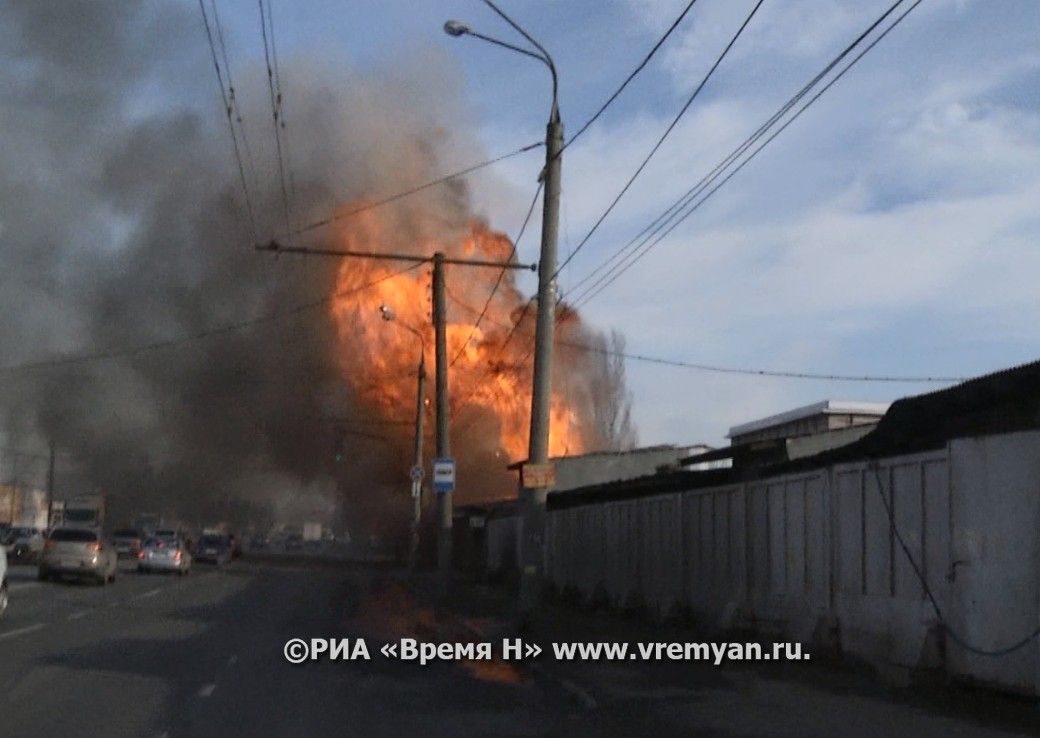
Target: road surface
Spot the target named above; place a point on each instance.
(202, 656)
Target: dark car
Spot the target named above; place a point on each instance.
(128, 543)
(213, 549)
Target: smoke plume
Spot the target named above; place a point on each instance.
(122, 224)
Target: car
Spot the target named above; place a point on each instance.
(3, 582)
(213, 548)
(128, 543)
(24, 544)
(161, 555)
(78, 552)
(293, 542)
(166, 534)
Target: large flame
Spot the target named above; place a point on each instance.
(490, 373)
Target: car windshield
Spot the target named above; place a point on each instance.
(213, 541)
(73, 535)
(165, 533)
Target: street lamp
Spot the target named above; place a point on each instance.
(388, 315)
(533, 500)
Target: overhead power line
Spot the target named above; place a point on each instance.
(661, 140)
(664, 224)
(501, 276)
(219, 330)
(630, 77)
(276, 106)
(228, 107)
(718, 369)
(419, 188)
(232, 96)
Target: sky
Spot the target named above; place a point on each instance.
(891, 230)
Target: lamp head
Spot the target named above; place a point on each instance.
(456, 28)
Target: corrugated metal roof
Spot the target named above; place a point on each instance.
(1005, 401)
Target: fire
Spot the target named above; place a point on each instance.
(489, 377)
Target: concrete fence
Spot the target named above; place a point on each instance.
(819, 554)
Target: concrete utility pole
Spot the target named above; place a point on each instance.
(532, 503)
(532, 500)
(439, 260)
(444, 499)
(50, 482)
(420, 407)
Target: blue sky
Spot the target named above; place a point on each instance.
(891, 230)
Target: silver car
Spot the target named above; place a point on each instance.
(164, 555)
(78, 552)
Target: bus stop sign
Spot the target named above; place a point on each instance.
(443, 475)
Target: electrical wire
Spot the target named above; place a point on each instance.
(275, 110)
(672, 211)
(232, 97)
(950, 632)
(690, 206)
(630, 77)
(661, 140)
(220, 330)
(813, 375)
(231, 125)
(501, 276)
(419, 188)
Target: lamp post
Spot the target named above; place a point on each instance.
(532, 502)
(417, 464)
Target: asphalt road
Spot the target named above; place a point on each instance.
(156, 655)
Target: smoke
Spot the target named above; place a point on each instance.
(122, 223)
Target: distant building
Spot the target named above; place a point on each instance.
(820, 417)
(794, 434)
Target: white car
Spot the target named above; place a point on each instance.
(3, 582)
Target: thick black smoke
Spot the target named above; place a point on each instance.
(122, 223)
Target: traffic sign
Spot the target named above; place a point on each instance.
(443, 475)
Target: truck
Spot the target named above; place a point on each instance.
(23, 506)
(85, 511)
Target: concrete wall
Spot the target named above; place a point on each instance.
(791, 555)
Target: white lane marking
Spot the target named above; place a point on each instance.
(22, 631)
(207, 690)
(149, 593)
(19, 586)
(78, 615)
(586, 699)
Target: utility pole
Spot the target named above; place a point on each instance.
(439, 260)
(50, 483)
(417, 466)
(532, 499)
(532, 503)
(444, 499)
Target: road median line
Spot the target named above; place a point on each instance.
(22, 631)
